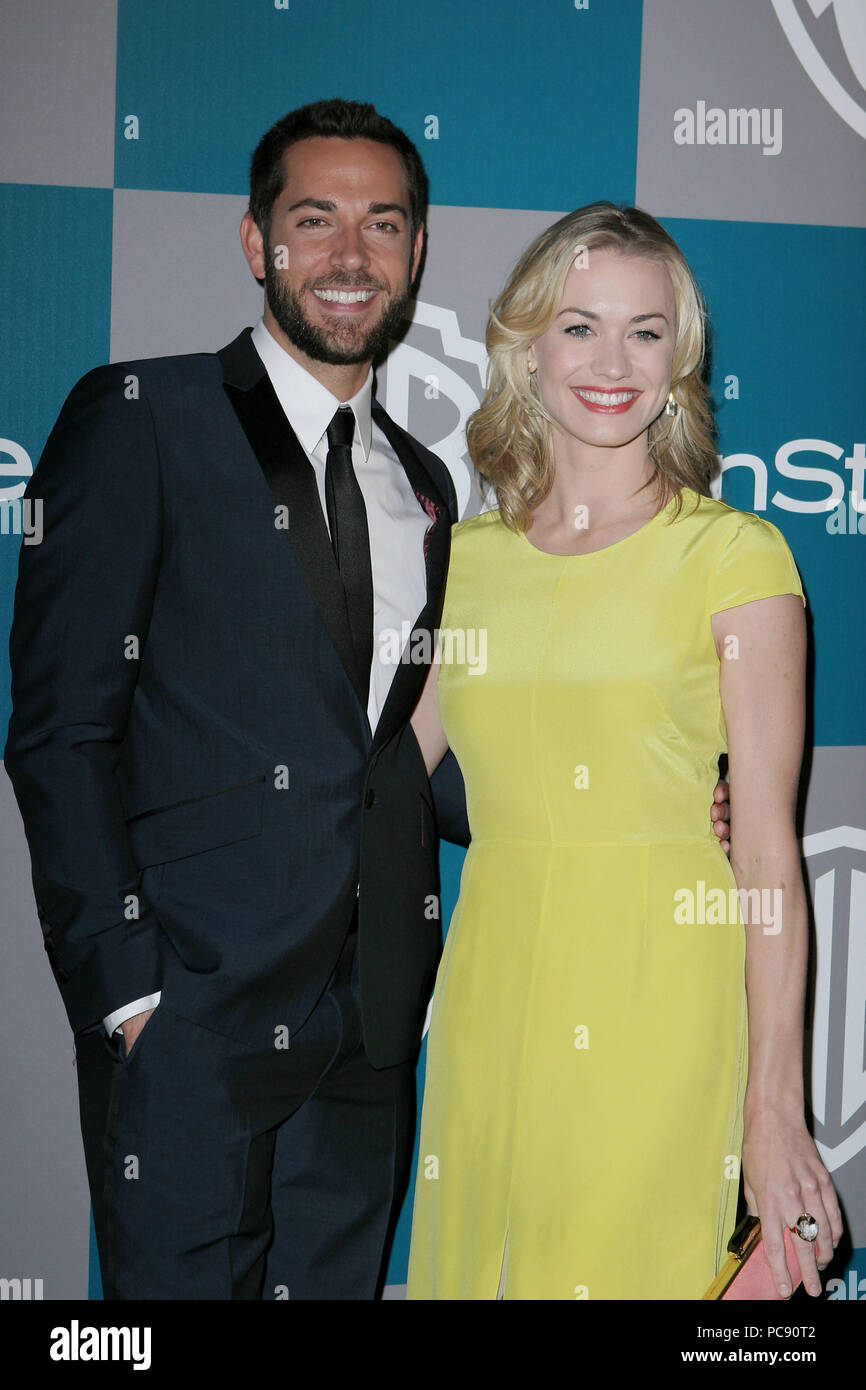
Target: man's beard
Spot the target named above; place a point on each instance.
(340, 345)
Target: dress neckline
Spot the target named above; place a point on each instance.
(604, 549)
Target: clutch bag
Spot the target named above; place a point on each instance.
(746, 1273)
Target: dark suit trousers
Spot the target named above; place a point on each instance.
(221, 1172)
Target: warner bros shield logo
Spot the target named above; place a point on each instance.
(464, 390)
(836, 862)
(835, 87)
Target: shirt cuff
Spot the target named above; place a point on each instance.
(138, 1006)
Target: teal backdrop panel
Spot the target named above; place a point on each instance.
(786, 314)
(535, 103)
(55, 267)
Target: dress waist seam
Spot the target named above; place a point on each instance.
(551, 843)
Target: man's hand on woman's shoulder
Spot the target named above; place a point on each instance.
(720, 815)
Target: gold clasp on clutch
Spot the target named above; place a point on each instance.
(745, 1237)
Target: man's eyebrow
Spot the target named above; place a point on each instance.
(326, 205)
(320, 204)
(638, 318)
(389, 207)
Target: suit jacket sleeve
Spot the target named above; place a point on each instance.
(82, 594)
(449, 800)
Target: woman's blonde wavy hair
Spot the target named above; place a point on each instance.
(509, 436)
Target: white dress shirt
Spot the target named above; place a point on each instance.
(396, 522)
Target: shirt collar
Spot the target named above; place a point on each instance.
(309, 406)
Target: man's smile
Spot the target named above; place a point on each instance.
(345, 296)
(350, 301)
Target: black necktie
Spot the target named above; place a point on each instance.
(347, 520)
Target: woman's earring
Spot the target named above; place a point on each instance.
(671, 406)
(530, 368)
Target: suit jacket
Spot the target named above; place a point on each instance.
(203, 801)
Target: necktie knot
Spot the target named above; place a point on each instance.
(341, 430)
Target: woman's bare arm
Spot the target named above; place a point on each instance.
(762, 649)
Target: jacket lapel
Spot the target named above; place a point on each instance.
(409, 676)
(293, 486)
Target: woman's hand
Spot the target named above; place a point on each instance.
(783, 1177)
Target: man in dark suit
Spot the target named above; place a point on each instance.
(231, 829)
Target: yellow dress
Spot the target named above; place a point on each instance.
(587, 1049)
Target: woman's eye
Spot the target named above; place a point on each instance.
(580, 330)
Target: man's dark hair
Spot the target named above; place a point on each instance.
(347, 120)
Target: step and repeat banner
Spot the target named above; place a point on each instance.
(126, 131)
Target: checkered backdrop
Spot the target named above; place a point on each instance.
(124, 145)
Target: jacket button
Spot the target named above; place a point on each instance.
(369, 798)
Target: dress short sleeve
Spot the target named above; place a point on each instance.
(754, 562)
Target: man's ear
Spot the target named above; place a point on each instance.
(254, 245)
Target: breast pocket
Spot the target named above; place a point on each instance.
(198, 823)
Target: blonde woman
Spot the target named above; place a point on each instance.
(613, 1023)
